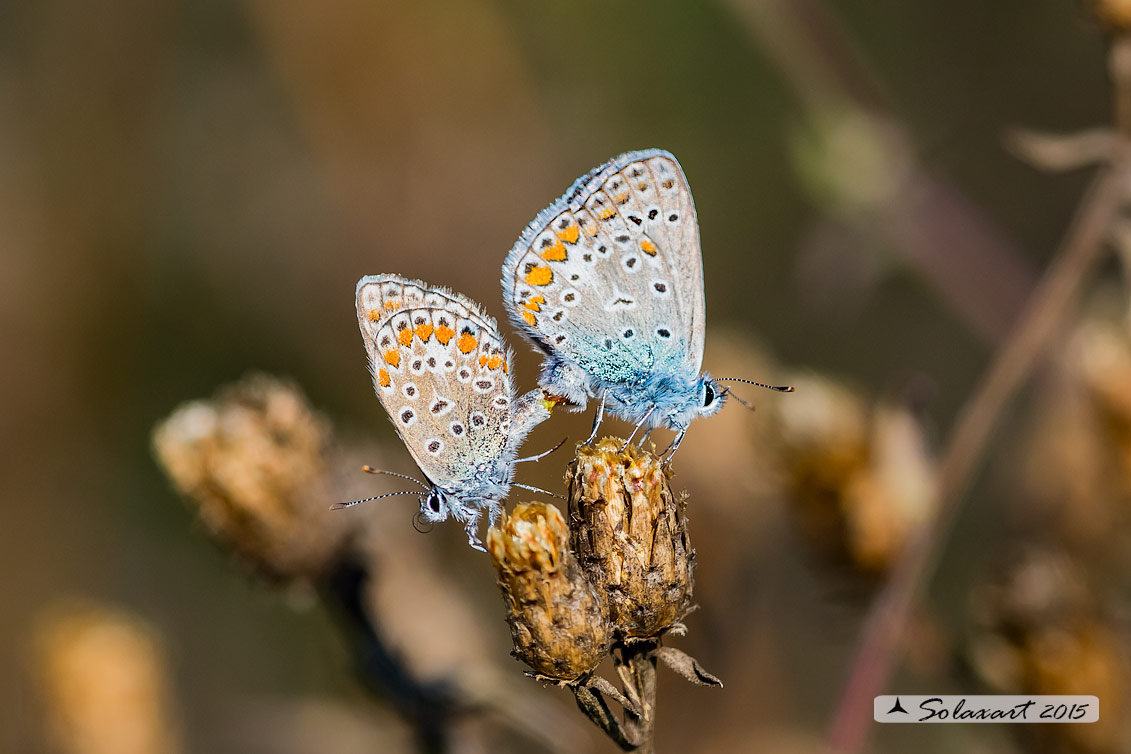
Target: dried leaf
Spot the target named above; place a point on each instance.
(594, 707)
(597, 683)
(687, 666)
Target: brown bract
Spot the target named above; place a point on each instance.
(557, 618)
(630, 534)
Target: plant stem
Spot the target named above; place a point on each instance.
(1047, 311)
(641, 660)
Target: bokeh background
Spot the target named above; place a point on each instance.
(189, 192)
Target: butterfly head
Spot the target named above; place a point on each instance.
(435, 505)
(679, 402)
(710, 397)
(461, 499)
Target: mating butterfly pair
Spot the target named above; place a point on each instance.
(607, 281)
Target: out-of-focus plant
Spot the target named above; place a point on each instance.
(1076, 476)
(1041, 628)
(253, 461)
(859, 477)
(861, 166)
(104, 682)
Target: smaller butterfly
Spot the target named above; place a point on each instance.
(443, 373)
(608, 282)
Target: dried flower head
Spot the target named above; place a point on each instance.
(557, 618)
(1040, 628)
(252, 460)
(1104, 352)
(861, 478)
(104, 683)
(630, 534)
(1077, 470)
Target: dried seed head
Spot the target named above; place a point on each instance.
(1077, 472)
(557, 618)
(1040, 627)
(252, 460)
(104, 683)
(860, 478)
(630, 535)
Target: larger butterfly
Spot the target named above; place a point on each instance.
(608, 282)
(443, 373)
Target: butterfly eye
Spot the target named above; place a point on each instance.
(708, 396)
(434, 502)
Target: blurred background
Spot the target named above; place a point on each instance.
(190, 191)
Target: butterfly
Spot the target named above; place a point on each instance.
(608, 282)
(443, 373)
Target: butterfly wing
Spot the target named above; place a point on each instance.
(610, 275)
(442, 371)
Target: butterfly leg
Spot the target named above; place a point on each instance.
(671, 449)
(636, 429)
(494, 512)
(472, 529)
(597, 419)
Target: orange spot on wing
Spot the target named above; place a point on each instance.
(493, 362)
(383, 377)
(621, 198)
(392, 304)
(444, 334)
(540, 276)
(466, 343)
(483, 360)
(570, 234)
(607, 213)
(424, 332)
(555, 253)
(530, 318)
(405, 337)
(648, 247)
(393, 357)
(535, 303)
(506, 369)
(374, 315)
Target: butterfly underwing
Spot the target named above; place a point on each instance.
(443, 373)
(608, 282)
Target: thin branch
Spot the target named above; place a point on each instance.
(1047, 311)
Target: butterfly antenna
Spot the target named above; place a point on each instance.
(543, 455)
(370, 470)
(778, 388)
(539, 489)
(339, 506)
(744, 404)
